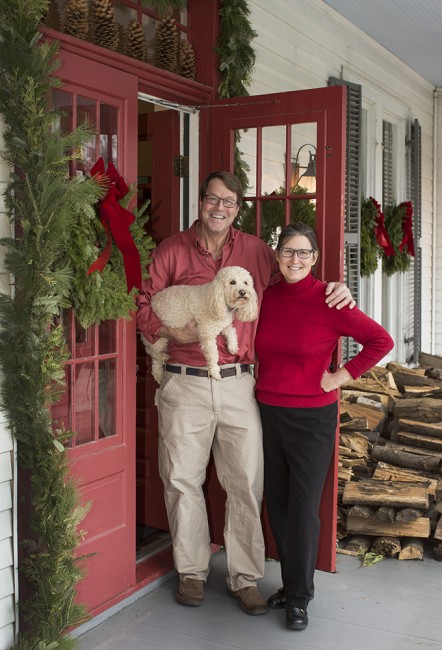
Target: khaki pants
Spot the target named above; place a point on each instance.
(198, 415)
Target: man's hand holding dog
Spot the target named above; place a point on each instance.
(183, 335)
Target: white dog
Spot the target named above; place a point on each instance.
(213, 306)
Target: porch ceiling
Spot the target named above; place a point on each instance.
(410, 30)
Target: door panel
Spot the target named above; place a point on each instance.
(100, 399)
(270, 160)
(158, 136)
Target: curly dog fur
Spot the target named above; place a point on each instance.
(213, 306)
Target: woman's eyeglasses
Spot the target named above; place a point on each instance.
(214, 200)
(302, 253)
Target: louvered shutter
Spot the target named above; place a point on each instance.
(352, 200)
(415, 189)
(387, 164)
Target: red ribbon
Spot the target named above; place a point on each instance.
(407, 227)
(382, 237)
(116, 222)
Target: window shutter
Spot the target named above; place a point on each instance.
(352, 200)
(415, 189)
(387, 164)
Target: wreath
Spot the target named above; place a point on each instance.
(399, 225)
(370, 250)
(104, 283)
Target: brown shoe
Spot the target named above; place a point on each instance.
(250, 600)
(190, 592)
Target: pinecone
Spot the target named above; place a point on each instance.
(187, 60)
(135, 41)
(76, 18)
(104, 26)
(166, 44)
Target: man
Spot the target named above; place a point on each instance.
(199, 415)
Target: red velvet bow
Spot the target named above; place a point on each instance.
(407, 225)
(116, 221)
(382, 237)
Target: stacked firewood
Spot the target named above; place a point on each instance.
(390, 462)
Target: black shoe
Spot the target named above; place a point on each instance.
(296, 618)
(277, 601)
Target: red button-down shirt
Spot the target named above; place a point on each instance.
(183, 259)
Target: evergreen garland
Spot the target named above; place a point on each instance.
(369, 248)
(42, 203)
(236, 61)
(45, 206)
(163, 7)
(400, 260)
(234, 49)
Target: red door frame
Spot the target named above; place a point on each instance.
(328, 109)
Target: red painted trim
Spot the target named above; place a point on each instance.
(152, 80)
(205, 12)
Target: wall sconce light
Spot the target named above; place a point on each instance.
(306, 179)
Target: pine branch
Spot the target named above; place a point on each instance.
(163, 7)
(236, 54)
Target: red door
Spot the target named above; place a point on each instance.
(282, 138)
(99, 404)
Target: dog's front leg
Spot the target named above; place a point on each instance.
(210, 349)
(159, 356)
(229, 333)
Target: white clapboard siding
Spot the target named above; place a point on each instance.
(300, 45)
(437, 315)
(7, 464)
(7, 595)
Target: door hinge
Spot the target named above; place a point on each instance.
(181, 166)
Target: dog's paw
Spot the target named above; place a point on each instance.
(215, 373)
(232, 347)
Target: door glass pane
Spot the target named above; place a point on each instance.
(84, 391)
(60, 410)
(107, 337)
(63, 101)
(108, 133)
(303, 156)
(303, 210)
(107, 398)
(273, 219)
(246, 143)
(246, 219)
(273, 159)
(87, 111)
(84, 341)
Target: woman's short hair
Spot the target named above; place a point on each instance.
(298, 228)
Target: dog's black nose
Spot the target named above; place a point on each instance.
(242, 293)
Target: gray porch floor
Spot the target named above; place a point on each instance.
(392, 605)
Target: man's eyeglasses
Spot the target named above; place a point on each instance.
(302, 253)
(214, 200)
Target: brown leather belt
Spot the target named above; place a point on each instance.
(203, 372)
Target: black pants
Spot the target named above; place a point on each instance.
(298, 447)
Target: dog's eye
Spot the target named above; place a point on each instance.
(232, 281)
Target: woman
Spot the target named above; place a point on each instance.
(297, 396)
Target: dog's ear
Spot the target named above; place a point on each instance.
(250, 310)
(216, 300)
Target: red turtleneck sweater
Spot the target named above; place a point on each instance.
(297, 334)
